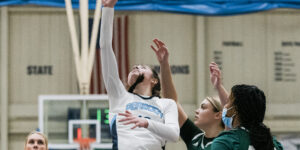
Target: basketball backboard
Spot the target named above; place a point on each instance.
(66, 119)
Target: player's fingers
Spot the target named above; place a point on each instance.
(161, 43)
(129, 122)
(156, 43)
(128, 112)
(153, 48)
(134, 127)
(125, 119)
(124, 114)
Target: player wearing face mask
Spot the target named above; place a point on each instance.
(243, 114)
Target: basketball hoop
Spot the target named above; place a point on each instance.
(85, 143)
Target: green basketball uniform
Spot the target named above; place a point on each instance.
(237, 139)
(193, 137)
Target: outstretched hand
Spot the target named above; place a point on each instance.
(131, 119)
(160, 50)
(215, 75)
(109, 3)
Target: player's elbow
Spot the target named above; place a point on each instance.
(175, 139)
(174, 136)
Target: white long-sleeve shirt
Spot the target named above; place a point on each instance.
(161, 114)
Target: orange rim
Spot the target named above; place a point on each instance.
(85, 142)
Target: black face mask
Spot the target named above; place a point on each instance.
(138, 80)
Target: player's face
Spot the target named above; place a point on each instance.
(205, 115)
(35, 142)
(139, 70)
(229, 105)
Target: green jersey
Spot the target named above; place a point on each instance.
(193, 137)
(237, 139)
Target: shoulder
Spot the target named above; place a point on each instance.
(198, 137)
(196, 140)
(236, 134)
(167, 101)
(190, 128)
(228, 135)
(168, 104)
(229, 139)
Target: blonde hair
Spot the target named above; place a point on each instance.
(217, 106)
(215, 102)
(39, 133)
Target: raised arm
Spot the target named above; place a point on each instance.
(168, 87)
(113, 84)
(215, 78)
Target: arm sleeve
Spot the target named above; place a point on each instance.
(188, 131)
(170, 129)
(113, 84)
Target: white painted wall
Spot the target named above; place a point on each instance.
(253, 63)
(241, 64)
(284, 95)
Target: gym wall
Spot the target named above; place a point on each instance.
(261, 49)
(40, 61)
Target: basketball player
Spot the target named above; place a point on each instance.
(244, 115)
(36, 141)
(139, 118)
(207, 125)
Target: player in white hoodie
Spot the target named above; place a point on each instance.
(139, 118)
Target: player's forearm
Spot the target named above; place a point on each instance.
(108, 60)
(109, 65)
(223, 94)
(168, 87)
(170, 132)
(182, 116)
(106, 29)
(169, 90)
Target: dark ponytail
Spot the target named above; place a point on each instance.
(250, 104)
(155, 90)
(261, 138)
(138, 80)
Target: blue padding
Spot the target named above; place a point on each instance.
(197, 7)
